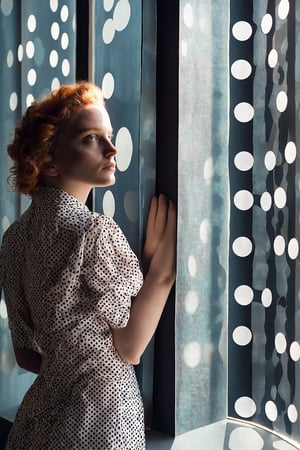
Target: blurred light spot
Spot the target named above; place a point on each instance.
(192, 354)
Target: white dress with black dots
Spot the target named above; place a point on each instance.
(76, 274)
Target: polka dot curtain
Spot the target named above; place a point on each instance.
(124, 62)
(37, 54)
(264, 328)
(121, 43)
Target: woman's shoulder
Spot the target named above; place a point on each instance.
(102, 223)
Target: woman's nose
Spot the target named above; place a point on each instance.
(110, 149)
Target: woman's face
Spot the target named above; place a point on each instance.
(85, 151)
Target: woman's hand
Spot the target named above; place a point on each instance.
(160, 255)
(156, 224)
(163, 261)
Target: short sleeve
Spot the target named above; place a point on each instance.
(111, 272)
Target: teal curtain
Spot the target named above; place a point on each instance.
(37, 54)
(264, 309)
(124, 66)
(201, 289)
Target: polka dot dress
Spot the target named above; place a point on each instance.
(75, 272)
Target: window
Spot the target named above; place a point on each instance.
(204, 100)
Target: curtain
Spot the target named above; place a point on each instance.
(37, 54)
(264, 322)
(201, 289)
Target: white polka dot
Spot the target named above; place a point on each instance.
(283, 9)
(243, 295)
(55, 84)
(243, 161)
(30, 49)
(245, 438)
(242, 31)
(31, 77)
(243, 112)
(3, 310)
(270, 160)
(31, 23)
(53, 5)
(131, 206)
(5, 223)
(293, 248)
(64, 42)
(6, 7)
(205, 231)
(241, 69)
(290, 152)
(295, 351)
(208, 170)
(281, 101)
(124, 146)
(192, 354)
(266, 297)
(280, 343)
(53, 58)
(108, 85)
(121, 15)
(55, 30)
(273, 58)
(13, 101)
(9, 59)
(108, 4)
(266, 23)
(192, 266)
(20, 52)
(280, 197)
(184, 48)
(279, 245)
(191, 302)
(65, 67)
(242, 246)
(109, 205)
(29, 100)
(108, 31)
(188, 15)
(64, 13)
(243, 200)
(271, 411)
(266, 201)
(292, 413)
(242, 335)
(245, 407)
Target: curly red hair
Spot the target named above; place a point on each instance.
(33, 145)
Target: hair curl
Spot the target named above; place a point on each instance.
(33, 145)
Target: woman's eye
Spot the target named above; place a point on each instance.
(90, 139)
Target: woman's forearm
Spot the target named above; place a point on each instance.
(146, 311)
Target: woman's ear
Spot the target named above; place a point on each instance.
(50, 169)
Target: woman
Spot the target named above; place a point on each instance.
(69, 275)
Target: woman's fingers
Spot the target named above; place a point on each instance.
(164, 259)
(152, 213)
(161, 226)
